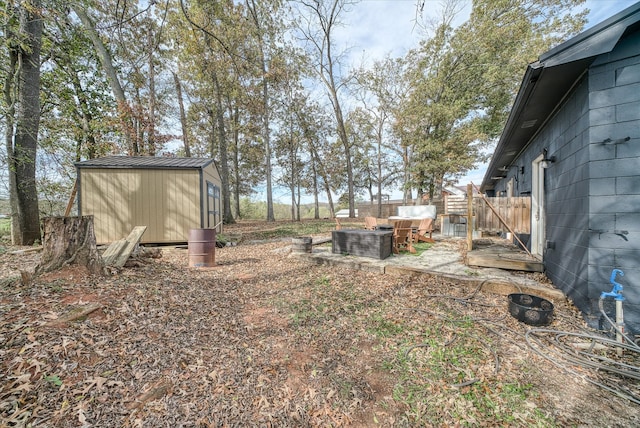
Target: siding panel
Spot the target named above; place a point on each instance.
(166, 199)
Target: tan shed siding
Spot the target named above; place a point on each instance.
(166, 201)
(171, 197)
(152, 200)
(107, 196)
(120, 197)
(183, 204)
(170, 204)
(147, 205)
(209, 174)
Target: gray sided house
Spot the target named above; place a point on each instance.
(168, 195)
(572, 142)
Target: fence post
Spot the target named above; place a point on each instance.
(469, 217)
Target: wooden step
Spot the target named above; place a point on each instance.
(504, 261)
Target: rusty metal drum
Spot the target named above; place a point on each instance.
(202, 247)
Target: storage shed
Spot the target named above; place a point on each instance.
(572, 144)
(168, 195)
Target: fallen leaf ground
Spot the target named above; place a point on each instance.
(268, 339)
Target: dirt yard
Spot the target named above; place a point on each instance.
(267, 339)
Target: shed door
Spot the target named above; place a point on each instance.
(537, 208)
(213, 205)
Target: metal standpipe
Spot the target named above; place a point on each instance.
(620, 324)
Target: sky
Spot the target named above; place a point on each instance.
(376, 28)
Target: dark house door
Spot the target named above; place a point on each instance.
(537, 208)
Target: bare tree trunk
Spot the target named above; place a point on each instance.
(319, 168)
(103, 53)
(298, 196)
(69, 241)
(110, 71)
(342, 133)
(86, 122)
(236, 160)
(25, 219)
(10, 101)
(316, 205)
(328, 14)
(379, 165)
(267, 146)
(151, 147)
(292, 189)
(183, 117)
(222, 150)
(327, 189)
(315, 166)
(407, 176)
(266, 133)
(295, 178)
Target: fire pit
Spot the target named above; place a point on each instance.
(363, 243)
(532, 310)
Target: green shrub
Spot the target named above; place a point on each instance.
(5, 227)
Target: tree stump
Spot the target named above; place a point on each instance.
(69, 241)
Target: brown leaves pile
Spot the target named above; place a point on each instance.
(262, 339)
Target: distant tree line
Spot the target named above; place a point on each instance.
(264, 88)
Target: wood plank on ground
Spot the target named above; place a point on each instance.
(496, 261)
(318, 241)
(119, 252)
(113, 251)
(76, 314)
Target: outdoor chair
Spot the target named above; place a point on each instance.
(338, 225)
(370, 223)
(402, 237)
(424, 231)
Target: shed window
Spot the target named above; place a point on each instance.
(214, 205)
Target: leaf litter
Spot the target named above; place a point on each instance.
(266, 339)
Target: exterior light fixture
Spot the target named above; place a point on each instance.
(546, 159)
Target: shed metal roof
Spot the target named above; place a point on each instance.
(145, 162)
(546, 83)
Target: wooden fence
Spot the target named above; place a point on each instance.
(516, 211)
(391, 208)
(456, 204)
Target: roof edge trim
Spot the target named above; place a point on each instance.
(602, 37)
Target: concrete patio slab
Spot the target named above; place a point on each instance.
(443, 259)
